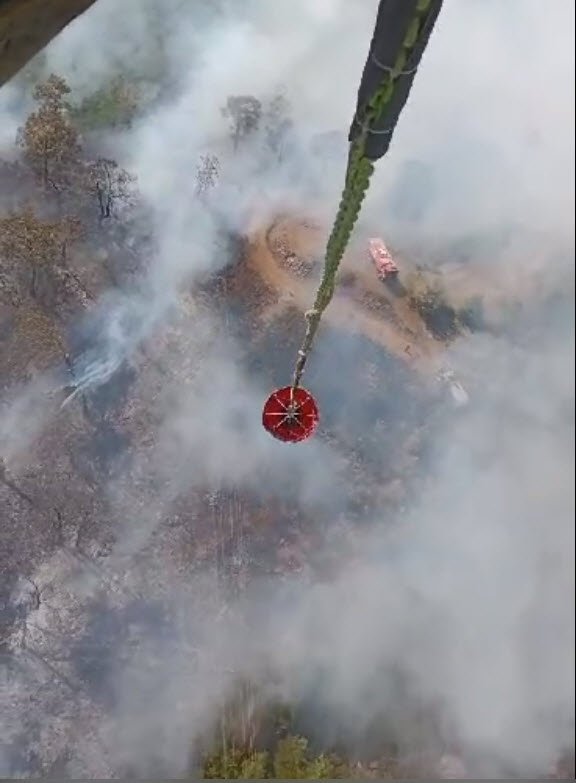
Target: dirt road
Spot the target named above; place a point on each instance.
(281, 255)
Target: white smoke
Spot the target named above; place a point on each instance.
(471, 597)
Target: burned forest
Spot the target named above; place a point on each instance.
(183, 596)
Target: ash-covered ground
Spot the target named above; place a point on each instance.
(405, 578)
(106, 521)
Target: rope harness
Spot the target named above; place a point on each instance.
(358, 173)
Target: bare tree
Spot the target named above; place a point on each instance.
(110, 186)
(29, 243)
(49, 141)
(245, 113)
(207, 173)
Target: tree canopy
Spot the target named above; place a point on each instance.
(49, 141)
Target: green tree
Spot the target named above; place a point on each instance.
(236, 764)
(112, 106)
(292, 760)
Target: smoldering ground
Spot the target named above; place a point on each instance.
(470, 597)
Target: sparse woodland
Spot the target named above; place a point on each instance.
(65, 213)
(70, 198)
(66, 199)
(72, 225)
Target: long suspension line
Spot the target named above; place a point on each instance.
(358, 173)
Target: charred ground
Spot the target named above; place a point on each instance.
(102, 527)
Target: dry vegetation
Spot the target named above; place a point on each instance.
(65, 211)
(50, 243)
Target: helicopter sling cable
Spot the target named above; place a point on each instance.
(401, 34)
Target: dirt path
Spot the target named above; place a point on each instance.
(366, 306)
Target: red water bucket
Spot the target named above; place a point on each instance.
(290, 415)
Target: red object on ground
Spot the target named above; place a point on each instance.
(290, 416)
(383, 261)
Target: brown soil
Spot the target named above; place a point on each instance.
(364, 305)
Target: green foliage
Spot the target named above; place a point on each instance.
(112, 106)
(255, 766)
(236, 764)
(52, 151)
(292, 760)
